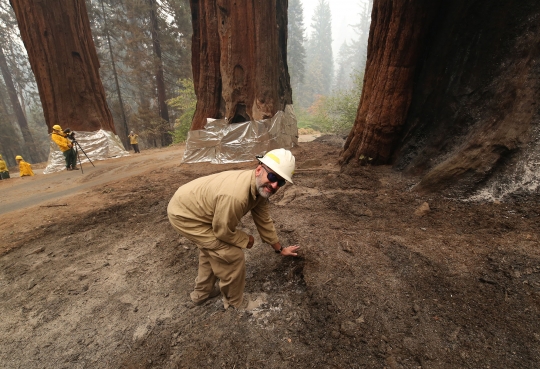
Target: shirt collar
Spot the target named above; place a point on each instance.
(253, 186)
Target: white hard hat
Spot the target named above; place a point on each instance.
(280, 161)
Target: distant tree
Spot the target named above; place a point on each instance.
(359, 45)
(19, 84)
(16, 105)
(107, 32)
(320, 60)
(185, 103)
(296, 51)
(345, 63)
(321, 43)
(10, 143)
(62, 54)
(352, 54)
(137, 31)
(166, 138)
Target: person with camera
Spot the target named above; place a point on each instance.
(65, 145)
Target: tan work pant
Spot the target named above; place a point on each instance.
(217, 260)
(223, 261)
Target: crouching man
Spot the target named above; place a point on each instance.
(207, 211)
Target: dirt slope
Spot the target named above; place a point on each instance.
(104, 282)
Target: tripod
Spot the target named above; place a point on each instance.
(77, 147)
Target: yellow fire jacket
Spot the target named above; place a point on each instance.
(133, 139)
(62, 141)
(3, 166)
(210, 208)
(25, 168)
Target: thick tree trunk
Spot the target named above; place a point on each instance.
(450, 95)
(474, 120)
(239, 59)
(57, 37)
(166, 138)
(398, 29)
(35, 156)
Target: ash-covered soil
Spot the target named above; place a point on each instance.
(104, 281)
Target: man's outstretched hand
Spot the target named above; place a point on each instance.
(290, 251)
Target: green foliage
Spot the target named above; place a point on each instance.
(336, 113)
(184, 104)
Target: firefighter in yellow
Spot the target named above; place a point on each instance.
(24, 167)
(65, 145)
(134, 142)
(4, 171)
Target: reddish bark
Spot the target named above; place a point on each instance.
(398, 29)
(239, 59)
(57, 37)
(451, 93)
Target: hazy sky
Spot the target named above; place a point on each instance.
(344, 13)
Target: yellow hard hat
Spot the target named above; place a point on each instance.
(18, 157)
(56, 127)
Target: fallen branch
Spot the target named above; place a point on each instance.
(52, 206)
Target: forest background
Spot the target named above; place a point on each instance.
(135, 38)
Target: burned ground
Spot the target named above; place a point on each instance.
(104, 282)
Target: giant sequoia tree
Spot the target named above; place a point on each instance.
(450, 93)
(239, 52)
(57, 37)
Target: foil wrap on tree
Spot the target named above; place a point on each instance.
(98, 145)
(221, 142)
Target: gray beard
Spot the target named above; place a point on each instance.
(260, 189)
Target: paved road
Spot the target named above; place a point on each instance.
(18, 193)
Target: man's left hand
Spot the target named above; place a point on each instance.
(250, 242)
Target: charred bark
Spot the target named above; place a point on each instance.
(474, 121)
(35, 156)
(239, 59)
(62, 54)
(166, 138)
(398, 30)
(464, 117)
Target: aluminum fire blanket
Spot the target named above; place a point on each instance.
(98, 145)
(221, 142)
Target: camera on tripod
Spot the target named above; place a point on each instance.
(70, 134)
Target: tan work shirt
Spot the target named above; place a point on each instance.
(210, 208)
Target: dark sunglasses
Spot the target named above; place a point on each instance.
(272, 177)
